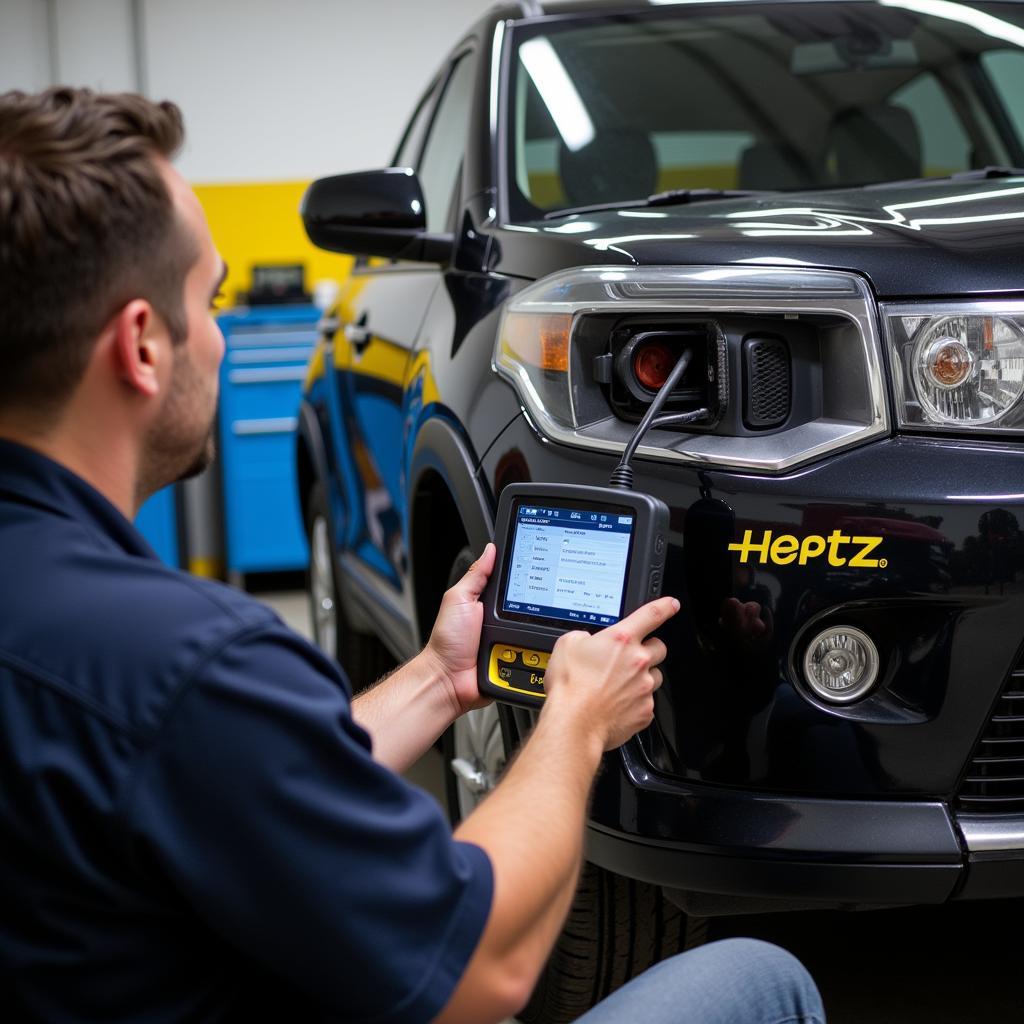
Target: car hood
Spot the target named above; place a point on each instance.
(948, 238)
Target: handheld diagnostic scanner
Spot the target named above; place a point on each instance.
(570, 557)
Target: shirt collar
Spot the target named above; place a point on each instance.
(29, 477)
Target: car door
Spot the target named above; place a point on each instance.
(381, 309)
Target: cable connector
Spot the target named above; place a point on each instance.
(622, 475)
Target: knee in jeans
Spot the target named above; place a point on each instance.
(777, 967)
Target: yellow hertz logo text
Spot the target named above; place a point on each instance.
(784, 549)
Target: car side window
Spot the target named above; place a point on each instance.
(442, 156)
(409, 148)
(944, 145)
(1006, 69)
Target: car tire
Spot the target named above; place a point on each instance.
(363, 657)
(616, 928)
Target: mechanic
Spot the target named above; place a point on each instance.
(196, 823)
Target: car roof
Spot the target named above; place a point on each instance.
(535, 9)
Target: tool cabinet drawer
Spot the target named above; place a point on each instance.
(266, 352)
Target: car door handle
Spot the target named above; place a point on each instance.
(358, 334)
(328, 327)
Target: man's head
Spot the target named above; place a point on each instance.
(103, 244)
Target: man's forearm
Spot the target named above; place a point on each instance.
(406, 712)
(532, 828)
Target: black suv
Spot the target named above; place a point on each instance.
(820, 202)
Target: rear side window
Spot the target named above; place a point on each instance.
(442, 157)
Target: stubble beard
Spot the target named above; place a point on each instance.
(171, 455)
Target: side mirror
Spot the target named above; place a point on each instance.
(372, 213)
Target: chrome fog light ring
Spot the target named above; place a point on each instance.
(841, 664)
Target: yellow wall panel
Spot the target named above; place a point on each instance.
(260, 223)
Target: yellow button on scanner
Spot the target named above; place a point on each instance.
(531, 658)
(507, 654)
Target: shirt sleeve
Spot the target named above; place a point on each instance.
(260, 803)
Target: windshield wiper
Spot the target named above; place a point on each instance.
(670, 198)
(695, 195)
(975, 174)
(992, 171)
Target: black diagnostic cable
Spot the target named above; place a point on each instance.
(622, 475)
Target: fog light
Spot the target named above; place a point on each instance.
(841, 664)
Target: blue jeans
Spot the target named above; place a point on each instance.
(734, 981)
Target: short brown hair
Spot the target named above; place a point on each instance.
(86, 225)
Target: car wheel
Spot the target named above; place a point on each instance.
(363, 657)
(616, 928)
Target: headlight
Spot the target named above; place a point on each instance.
(564, 345)
(958, 367)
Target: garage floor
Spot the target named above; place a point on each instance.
(955, 964)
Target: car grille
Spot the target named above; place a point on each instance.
(994, 783)
(768, 382)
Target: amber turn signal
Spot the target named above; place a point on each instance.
(540, 339)
(948, 363)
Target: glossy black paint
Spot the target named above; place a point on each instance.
(372, 213)
(745, 784)
(928, 240)
(948, 612)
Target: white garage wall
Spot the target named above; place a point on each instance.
(271, 90)
(94, 44)
(297, 89)
(25, 59)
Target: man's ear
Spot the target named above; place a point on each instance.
(140, 347)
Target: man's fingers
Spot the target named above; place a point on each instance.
(656, 649)
(472, 584)
(647, 618)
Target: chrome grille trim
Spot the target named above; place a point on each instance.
(990, 800)
(711, 291)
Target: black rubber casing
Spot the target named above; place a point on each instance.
(643, 582)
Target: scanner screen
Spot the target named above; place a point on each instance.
(568, 563)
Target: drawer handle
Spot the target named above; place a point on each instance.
(270, 339)
(272, 355)
(281, 425)
(266, 376)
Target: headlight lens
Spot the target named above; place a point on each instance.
(533, 349)
(559, 338)
(958, 368)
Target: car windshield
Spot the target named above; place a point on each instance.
(792, 96)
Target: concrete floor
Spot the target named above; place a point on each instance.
(954, 964)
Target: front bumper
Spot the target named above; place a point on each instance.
(703, 839)
(746, 784)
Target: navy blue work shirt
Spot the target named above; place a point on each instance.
(192, 827)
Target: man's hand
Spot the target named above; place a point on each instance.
(609, 678)
(455, 639)
(532, 825)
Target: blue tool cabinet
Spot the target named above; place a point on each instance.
(267, 349)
